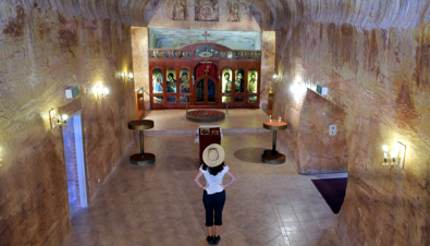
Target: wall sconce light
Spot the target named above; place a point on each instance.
(394, 156)
(130, 76)
(56, 119)
(1, 156)
(127, 76)
(99, 90)
(276, 77)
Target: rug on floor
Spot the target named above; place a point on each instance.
(333, 191)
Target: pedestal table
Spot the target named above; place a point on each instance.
(272, 156)
(141, 158)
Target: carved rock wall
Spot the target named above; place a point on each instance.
(268, 57)
(317, 151)
(42, 52)
(380, 78)
(268, 14)
(141, 60)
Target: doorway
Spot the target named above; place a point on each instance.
(73, 143)
(206, 85)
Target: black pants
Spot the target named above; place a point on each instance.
(214, 204)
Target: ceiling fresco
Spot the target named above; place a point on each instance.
(178, 38)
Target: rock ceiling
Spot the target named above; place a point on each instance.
(271, 13)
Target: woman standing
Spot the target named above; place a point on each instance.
(213, 170)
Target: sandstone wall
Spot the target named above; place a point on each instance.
(317, 150)
(381, 80)
(42, 52)
(140, 44)
(268, 57)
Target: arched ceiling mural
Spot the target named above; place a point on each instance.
(270, 13)
(178, 38)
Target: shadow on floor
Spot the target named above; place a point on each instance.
(250, 155)
(183, 163)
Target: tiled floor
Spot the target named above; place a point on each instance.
(161, 205)
(235, 118)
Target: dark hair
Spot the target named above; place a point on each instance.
(213, 170)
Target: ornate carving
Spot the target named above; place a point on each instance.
(206, 10)
(179, 10)
(204, 51)
(233, 11)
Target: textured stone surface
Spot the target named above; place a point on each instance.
(141, 60)
(317, 151)
(378, 78)
(377, 75)
(268, 57)
(268, 14)
(42, 52)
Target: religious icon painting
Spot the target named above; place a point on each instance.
(233, 11)
(239, 80)
(157, 81)
(171, 81)
(252, 81)
(206, 10)
(184, 81)
(179, 10)
(227, 80)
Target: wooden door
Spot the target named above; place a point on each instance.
(206, 91)
(206, 86)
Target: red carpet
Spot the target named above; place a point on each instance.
(333, 191)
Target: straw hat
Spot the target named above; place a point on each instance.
(213, 155)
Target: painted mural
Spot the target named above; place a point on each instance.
(164, 38)
(233, 11)
(179, 10)
(206, 10)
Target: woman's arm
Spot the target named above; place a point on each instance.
(232, 179)
(197, 180)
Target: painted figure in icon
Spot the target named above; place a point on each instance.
(239, 80)
(206, 10)
(179, 10)
(185, 84)
(233, 11)
(171, 83)
(252, 82)
(157, 80)
(227, 82)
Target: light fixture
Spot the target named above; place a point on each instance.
(99, 90)
(276, 77)
(130, 76)
(394, 155)
(1, 155)
(126, 76)
(385, 148)
(57, 119)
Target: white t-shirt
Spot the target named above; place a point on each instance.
(213, 183)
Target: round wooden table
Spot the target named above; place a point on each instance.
(272, 156)
(141, 158)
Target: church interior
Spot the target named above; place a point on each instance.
(320, 106)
